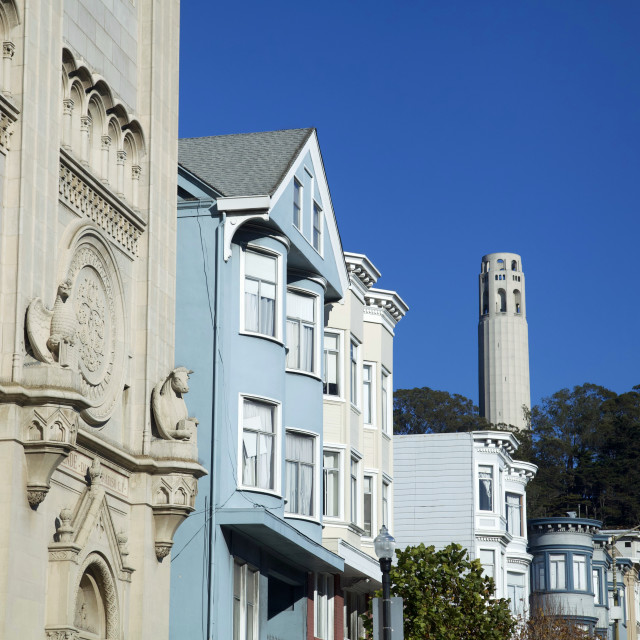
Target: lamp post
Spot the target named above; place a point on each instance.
(384, 545)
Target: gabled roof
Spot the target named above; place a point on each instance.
(243, 163)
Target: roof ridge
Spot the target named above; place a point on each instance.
(247, 133)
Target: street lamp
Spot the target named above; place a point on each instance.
(384, 545)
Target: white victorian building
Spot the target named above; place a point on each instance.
(467, 488)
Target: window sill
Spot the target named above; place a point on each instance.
(302, 372)
(298, 516)
(355, 409)
(329, 398)
(370, 427)
(266, 492)
(263, 336)
(386, 435)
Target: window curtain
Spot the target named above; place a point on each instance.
(306, 348)
(299, 454)
(514, 517)
(251, 305)
(293, 344)
(267, 308)
(258, 458)
(485, 475)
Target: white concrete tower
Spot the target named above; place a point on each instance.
(503, 343)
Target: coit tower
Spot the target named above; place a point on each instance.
(503, 343)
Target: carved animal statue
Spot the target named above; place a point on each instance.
(48, 330)
(169, 408)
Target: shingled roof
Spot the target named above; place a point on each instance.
(243, 164)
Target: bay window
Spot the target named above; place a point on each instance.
(301, 331)
(260, 293)
(579, 573)
(258, 451)
(300, 469)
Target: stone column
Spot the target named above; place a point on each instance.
(67, 122)
(85, 127)
(120, 157)
(106, 145)
(8, 49)
(136, 170)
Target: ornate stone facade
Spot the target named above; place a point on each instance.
(92, 489)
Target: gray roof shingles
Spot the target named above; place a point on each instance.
(243, 164)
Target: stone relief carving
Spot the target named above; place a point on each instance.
(169, 408)
(52, 333)
(81, 334)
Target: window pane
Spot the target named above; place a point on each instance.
(300, 306)
(366, 394)
(299, 473)
(260, 266)
(385, 504)
(293, 344)
(331, 360)
(251, 294)
(487, 559)
(385, 402)
(557, 571)
(485, 487)
(580, 573)
(368, 505)
(331, 483)
(258, 416)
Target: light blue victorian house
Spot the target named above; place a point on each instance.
(259, 256)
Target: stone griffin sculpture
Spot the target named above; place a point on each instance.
(51, 333)
(169, 408)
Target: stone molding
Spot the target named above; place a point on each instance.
(8, 116)
(93, 201)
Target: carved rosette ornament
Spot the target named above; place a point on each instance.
(83, 332)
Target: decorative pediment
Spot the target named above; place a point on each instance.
(89, 525)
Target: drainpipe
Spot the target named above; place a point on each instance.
(214, 393)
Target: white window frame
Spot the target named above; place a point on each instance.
(277, 337)
(494, 485)
(340, 364)
(277, 441)
(508, 510)
(386, 517)
(371, 424)
(354, 505)
(355, 367)
(369, 473)
(317, 326)
(316, 206)
(327, 580)
(495, 571)
(298, 183)
(554, 574)
(578, 559)
(386, 420)
(517, 604)
(241, 633)
(316, 475)
(596, 586)
(328, 448)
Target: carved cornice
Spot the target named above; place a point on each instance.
(360, 267)
(388, 300)
(91, 200)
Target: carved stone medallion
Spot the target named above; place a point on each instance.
(98, 311)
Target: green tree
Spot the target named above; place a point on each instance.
(425, 410)
(447, 597)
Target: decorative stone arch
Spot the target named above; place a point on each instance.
(95, 603)
(9, 20)
(97, 130)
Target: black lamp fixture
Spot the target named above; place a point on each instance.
(385, 546)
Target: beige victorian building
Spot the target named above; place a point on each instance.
(358, 429)
(92, 485)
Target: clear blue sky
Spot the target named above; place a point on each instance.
(450, 129)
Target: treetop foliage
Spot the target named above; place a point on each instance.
(585, 442)
(447, 597)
